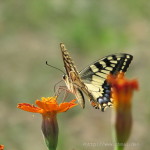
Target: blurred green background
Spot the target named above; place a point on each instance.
(30, 33)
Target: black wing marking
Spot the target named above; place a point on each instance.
(109, 64)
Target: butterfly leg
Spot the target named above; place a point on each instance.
(61, 89)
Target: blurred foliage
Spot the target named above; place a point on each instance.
(30, 33)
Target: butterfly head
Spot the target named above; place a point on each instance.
(64, 77)
(68, 82)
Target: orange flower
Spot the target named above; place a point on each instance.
(47, 105)
(122, 92)
(49, 108)
(1, 147)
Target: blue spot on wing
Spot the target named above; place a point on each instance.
(105, 98)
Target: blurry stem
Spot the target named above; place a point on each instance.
(119, 147)
(122, 124)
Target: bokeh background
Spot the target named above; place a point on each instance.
(30, 33)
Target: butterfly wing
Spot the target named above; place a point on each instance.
(72, 78)
(68, 62)
(94, 76)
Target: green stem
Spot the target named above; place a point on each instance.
(118, 147)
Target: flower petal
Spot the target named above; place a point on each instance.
(40, 104)
(67, 105)
(49, 99)
(30, 108)
(47, 106)
(1, 147)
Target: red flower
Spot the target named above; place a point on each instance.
(122, 92)
(1, 147)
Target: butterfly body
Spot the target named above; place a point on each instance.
(91, 81)
(76, 86)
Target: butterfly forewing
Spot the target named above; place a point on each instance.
(68, 62)
(109, 64)
(72, 78)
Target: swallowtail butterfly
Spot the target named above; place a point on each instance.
(91, 81)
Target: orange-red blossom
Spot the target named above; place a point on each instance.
(1, 147)
(122, 92)
(47, 105)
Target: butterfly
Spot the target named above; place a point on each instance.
(91, 81)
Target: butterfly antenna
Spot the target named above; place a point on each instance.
(54, 67)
